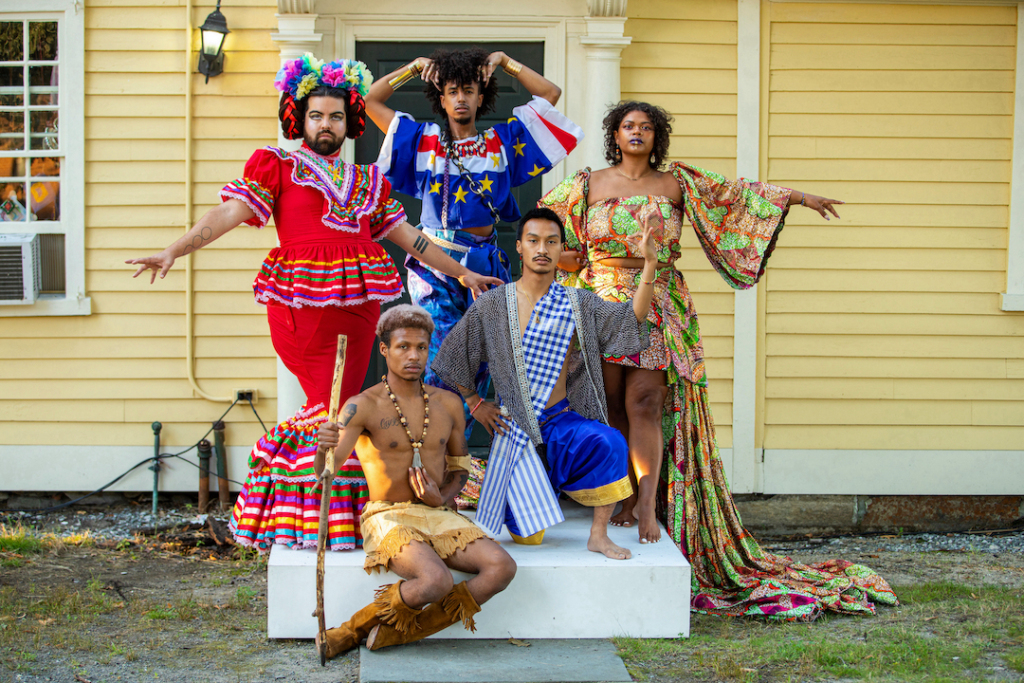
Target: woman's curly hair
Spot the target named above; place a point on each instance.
(461, 67)
(293, 112)
(661, 119)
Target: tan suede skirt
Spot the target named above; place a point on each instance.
(388, 527)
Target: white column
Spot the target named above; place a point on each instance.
(295, 37)
(1013, 298)
(603, 44)
(745, 457)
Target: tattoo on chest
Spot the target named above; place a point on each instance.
(348, 414)
(389, 422)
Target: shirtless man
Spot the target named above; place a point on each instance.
(543, 344)
(410, 436)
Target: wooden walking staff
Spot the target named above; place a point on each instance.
(326, 484)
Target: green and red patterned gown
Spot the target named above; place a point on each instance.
(737, 224)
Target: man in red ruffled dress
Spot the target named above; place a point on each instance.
(329, 275)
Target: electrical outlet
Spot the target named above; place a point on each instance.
(244, 395)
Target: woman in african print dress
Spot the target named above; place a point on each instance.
(658, 399)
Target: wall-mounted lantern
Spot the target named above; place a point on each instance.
(213, 30)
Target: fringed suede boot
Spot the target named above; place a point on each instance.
(387, 607)
(458, 605)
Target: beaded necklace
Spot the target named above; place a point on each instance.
(416, 445)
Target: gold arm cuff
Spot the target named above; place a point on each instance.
(402, 78)
(512, 67)
(457, 462)
(603, 495)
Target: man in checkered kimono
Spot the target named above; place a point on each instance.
(543, 343)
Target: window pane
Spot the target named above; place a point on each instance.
(44, 131)
(45, 201)
(12, 41)
(43, 88)
(12, 167)
(52, 261)
(12, 130)
(42, 75)
(45, 166)
(42, 40)
(12, 77)
(12, 202)
(11, 99)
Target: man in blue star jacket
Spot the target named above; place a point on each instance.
(463, 176)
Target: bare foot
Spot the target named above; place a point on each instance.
(650, 532)
(627, 517)
(604, 545)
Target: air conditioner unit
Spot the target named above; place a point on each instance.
(21, 275)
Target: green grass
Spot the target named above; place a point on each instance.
(17, 540)
(942, 631)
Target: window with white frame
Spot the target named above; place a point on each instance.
(41, 157)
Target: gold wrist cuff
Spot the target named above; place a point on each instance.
(512, 67)
(457, 462)
(402, 79)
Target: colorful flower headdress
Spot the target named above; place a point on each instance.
(301, 76)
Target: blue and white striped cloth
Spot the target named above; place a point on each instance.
(515, 474)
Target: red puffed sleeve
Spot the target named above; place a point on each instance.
(259, 185)
(388, 213)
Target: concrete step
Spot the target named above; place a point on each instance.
(561, 590)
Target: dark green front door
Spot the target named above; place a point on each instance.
(383, 58)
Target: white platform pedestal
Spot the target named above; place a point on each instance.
(561, 590)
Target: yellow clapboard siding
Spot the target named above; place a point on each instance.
(897, 218)
(131, 237)
(867, 412)
(47, 410)
(893, 437)
(964, 389)
(893, 13)
(907, 346)
(123, 172)
(158, 39)
(911, 193)
(153, 217)
(236, 84)
(831, 388)
(132, 434)
(251, 323)
(147, 61)
(136, 302)
(185, 410)
(884, 302)
(653, 80)
(134, 150)
(879, 366)
(82, 349)
(227, 303)
(892, 259)
(816, 233)
(127, 389)
(248, 85)
(701, 10)
(930, 170)
(866, 80)
(139, 18)
(113, 325)
(884, 281)
(719, 369)
(897, 57)
(889, 148)
(227, 257)
(697, 56)
(894, 125)
(129, 368)
(136, 129)
(220, 150)
(1001, 413)
(140, 106)
(895, 324)
(666, 30)
(893, 34)
(210, 106)
(814, 102)
(259, 130)
(139, 194)
(1015, 368)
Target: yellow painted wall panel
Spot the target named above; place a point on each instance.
(812, 33)
(1001, 413)
(894, 437)
(930, 170)
(812, 280)
(1015, 368)
(665, 30)
(891, 103)
(134, 150)
(892, 125)
(833, 388)
(904, 303)
(869, 413)
(887, 324)
(967, 14)
(880, 366)
(964, 389)
(46, 410)
(913, 193)
(697, 10)
(894, 259)
(810, 235)
(159, 106)
(896, 57)
(127, 389)
(698, 56)
(894, 346)
(655, 80)
(867, 80)
(131, 434)
(889, 148)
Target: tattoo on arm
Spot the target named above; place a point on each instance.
(420, 244)
(348, 414)
(205, 233)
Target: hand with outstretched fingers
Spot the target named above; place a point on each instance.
(490, 416)
(821, 205)
(478, 284)
(160, 263)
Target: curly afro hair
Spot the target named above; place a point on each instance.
(403, 316)
(661, 119)
(461, 67)
(292, 113)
